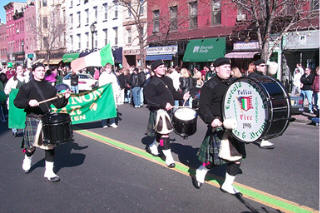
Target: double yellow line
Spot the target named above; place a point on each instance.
(247, 191)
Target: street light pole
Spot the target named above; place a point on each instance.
(92, 29)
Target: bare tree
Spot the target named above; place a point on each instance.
(136, 8)
(275, 17)
(50, 31)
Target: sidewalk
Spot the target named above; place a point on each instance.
(304, 117)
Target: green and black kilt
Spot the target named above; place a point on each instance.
(151, 123)
(30, 131)
(209, 149)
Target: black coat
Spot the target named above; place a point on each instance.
(307, 81)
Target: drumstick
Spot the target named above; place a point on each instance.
(51, 99)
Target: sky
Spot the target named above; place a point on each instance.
(2, 11)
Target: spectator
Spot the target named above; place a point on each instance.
(127, 87)
(306, 87)
(186, 83)
(74, 78)
(298, 72)
(204, 72)
(142, 80)
(51, 76)
(175, 76)
(135, 87)
(316, 90)
(251, 68)
(210, 73)
(236, 73)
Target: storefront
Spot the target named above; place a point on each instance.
(166, 53)
(243, 54)
(68, 57)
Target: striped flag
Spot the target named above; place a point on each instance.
(245, 103)
(96, 59)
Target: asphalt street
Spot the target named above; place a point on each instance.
(109, 171)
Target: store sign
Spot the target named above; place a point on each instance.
(246, 45)
(162, 50)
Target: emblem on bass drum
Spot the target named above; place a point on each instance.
(260, 106)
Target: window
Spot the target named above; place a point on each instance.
(141, 7)
(95, 39)
(115, 2)
(71, 21)
(79, 41)
(193, 15)
(314, 4)
(129, 10)
(87, 16)
(95, 13)
(45, 42)
(45, 22)
(71, 3)
(174, 18)
(115, 29)
(85, 1)
(156, 21)
(105, 32)
(216, 12)
(79, 1)
(129, 36)
(79, 18)
(71, 42)
(105, 7)
(44, 3)
(87, 40)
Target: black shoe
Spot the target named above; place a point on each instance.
(196, 183)
(172, 165)
(149, 151)
(53, 179)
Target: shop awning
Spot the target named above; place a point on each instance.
(240, 54)
(205, 50)
(158, 57)
(40, 60)
(55, 61)
(68, 57)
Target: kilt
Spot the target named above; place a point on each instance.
(151, 123)
(30, 137)
(209, 149)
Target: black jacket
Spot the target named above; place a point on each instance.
(160, 91)
(74, 78)
(211, 98)
(307, 81)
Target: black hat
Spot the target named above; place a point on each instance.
(34, 66)
(221, 61)
(156, 63)
(259, 61)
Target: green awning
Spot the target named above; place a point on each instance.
(68, 57)
(205, 50)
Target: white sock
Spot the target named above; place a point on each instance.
(169, 158)
(201, 173)
(154, 147)
(26, 164)
(227, 184)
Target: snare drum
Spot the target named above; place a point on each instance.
(261, 107)
(185, 121)
(56, 128)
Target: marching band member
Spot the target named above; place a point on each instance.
(159, 96)
(28, 98)
(210, 112)
(261, 69)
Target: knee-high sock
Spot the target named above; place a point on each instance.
(201, 173)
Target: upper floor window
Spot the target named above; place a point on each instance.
(156, 21)
(87, 40)
(71, 42)
(44, 3)
(115, 29)
(129, 36)
(141, 7)
(79, 18)
(193, 15)
(79, 41)
(105, 7)
(115, 2)
(314, 4)
(71, 20)
(129, 10)
(87, 16)
(86, 1)
(78, 3)
(105, 31)
(216, 12)
(95, 9)
(174, 18)
(45, 22)
(71, 3)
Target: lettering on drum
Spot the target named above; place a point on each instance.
(246, 102)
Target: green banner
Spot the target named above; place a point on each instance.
(17, 116)
(94, 105)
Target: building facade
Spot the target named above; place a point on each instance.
(15, 31)
(30, 40)
(3, 45)
(90, 25)
(133, 16)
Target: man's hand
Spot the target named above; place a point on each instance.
(186, 96)
(33, 103)
(168, 106)
(216, 123)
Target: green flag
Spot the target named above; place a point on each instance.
(16, 116)
(94, 105)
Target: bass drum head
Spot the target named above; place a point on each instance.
(247, 102)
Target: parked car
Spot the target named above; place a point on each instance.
(296, 105)
(86, 81)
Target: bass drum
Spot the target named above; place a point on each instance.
(261, 107)
(56, 128)
(185, 121)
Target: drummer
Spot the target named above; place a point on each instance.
(28, 98)
(210, 112)
(261, 69)
(160, 94)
